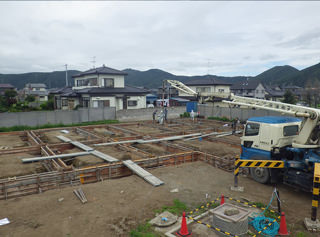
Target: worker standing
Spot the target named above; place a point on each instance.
(192, 115)
(161, 117)
(165, 114)
(234, 125)
(154, 116)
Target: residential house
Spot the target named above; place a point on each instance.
(38, 90)
(249, 88)
(100, 87)
(274, 93)
(206, 86)
(5, 87)
(296, 90)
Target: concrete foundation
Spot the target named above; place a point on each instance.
(237, 189)
(312, 225)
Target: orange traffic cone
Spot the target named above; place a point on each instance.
(222, 199)
(184, 229)
(283, 225)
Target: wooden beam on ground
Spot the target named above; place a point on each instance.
(150, 178)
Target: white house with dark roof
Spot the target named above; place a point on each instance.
(206, 85)
(249, 88)
(100, 87)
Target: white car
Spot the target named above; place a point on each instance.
(150, 106)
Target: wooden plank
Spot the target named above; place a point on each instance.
(103, 156)
(150, 178)
(81, 146)
(63, 138)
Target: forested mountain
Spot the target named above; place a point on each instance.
(279, 75)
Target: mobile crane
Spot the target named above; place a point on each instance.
(295, 140)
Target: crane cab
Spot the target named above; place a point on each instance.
(263, 135)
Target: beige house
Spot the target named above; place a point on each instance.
(207, 86)
(38, 90)
(100, 87)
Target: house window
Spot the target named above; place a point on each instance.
(132, 103)
(221, 90)
(87, 82)
(85, 102)
(203, 89)
(103, 103)
(64, 102)
(109, 82)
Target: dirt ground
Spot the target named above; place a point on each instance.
(116, 153)
(146, 129)
(152, 148)
(215, 148)
(104, 132)
(81, 161)
(51, 136)
(11, 141)
(11, 165)
(116, 206)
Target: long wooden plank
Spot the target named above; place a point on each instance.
(81, 146)
(103, 156)
(150, 178)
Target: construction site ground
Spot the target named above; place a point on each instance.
(116, 206)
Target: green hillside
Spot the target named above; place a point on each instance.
(51, 79)
(287, 75)
(153, 78)
(306, 77)
(277, 75)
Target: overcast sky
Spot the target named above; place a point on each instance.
(186, 38)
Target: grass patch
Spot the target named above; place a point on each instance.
(301, 234)
(22, 127)
(267, 213)
(144, 230)
(224, 119)
(177, 208)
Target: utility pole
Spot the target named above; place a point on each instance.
(94, 61)
(163, 88)
(66, 65)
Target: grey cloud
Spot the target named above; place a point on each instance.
(303, 39)
(267, 57)
(237, 37)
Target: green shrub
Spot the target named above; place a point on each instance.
(185, 115)
(224, 119)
